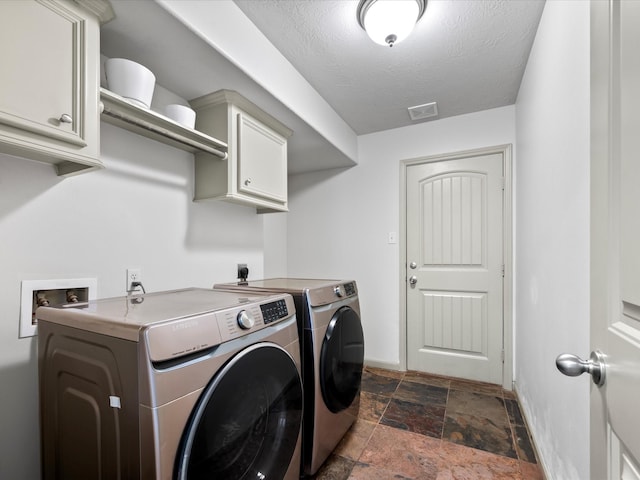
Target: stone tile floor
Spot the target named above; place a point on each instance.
(414, 426)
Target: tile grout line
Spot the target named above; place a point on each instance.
(514, 442)
(446, 407)
(531, 442)
(377, 423)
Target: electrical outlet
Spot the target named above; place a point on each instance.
(133, 275)
(243, 271)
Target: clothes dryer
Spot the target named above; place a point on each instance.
(332, 344)
(187, 384)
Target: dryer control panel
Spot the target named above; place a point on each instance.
(328, 294)
(350, 288)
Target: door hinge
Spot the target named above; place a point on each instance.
(502, 356)
(503, 183)
(503, 270)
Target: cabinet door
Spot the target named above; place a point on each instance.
(48, 100)
(262, 160)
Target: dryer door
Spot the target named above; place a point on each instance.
(247, 421)
(341, 360)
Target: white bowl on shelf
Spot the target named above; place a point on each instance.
(130, 80)
(182, 114)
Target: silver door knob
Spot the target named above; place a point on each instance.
(413, 265)
(66, 118)
(573, 366)
(413, 279)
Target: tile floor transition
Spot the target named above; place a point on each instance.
(414, 426)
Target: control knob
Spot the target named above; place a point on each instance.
(245, 321)
(338, 291)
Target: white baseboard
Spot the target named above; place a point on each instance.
(384, 365)
(525, 416)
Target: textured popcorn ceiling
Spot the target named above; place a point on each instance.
(466, 55)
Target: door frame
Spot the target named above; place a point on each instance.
(507, 218)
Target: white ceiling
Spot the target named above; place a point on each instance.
(466, 55)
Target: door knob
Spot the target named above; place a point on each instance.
(413, 265)
(573, 366)
(413, 280)
(66, 118)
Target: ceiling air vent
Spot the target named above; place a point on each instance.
(423, 111)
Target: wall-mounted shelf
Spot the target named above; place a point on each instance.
(122, 113)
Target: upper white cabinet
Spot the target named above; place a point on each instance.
(256, 170)
(49, 99)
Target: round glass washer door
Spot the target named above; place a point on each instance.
(247, 421)
(341, 360)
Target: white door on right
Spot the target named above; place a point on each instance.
(615, 237)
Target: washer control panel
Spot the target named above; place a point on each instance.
(245, 320)
(182, 336)
(236, 322)
(274, 311)
(253, 316)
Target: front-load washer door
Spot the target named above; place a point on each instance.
(341, 360)
(247, 422)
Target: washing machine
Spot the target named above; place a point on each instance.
(188, 384)
(332, 345)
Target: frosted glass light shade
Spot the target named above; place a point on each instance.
(388, 22)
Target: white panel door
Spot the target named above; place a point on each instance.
(615, 237)
(455, 267)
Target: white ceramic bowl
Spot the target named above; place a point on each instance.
(181, 114)
(130, 80)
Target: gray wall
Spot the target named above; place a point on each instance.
(340, 220)
(552, 237)
(136, 213)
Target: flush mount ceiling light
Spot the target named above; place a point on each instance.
(388, 22)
